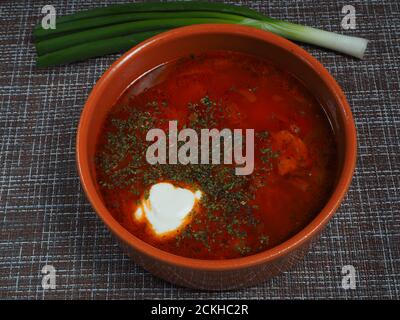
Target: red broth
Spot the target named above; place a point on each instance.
(295, 154)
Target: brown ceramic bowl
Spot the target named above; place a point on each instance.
(231, 273)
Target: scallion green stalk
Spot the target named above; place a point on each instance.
(182, 6)
(94, 49)
(41, 34)
(117, 30)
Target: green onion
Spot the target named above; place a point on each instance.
(94, 49)
(121, 29)
(84, 24)
(162, 7)
(349, 45)
(117, 28)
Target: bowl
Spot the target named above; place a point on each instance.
(230, 273)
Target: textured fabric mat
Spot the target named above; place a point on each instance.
(46, 219)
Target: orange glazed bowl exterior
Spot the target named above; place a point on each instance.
(230, 273)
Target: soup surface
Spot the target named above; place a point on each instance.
(232, 215)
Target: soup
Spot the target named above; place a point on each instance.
(207, 210)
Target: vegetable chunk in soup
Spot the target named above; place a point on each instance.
(207, 211)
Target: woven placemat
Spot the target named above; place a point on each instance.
(45, 218)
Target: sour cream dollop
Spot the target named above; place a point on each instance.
(167, 207)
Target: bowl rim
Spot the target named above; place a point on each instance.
(297, 240)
